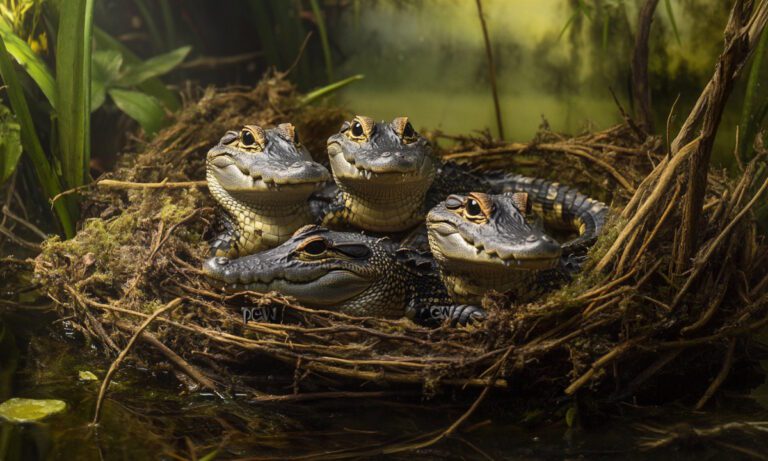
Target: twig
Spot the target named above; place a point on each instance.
(720, 378)
(115, 184)
(491, 68)
(108, 378)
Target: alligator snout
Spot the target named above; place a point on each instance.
(389, 162)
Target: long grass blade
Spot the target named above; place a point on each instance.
(73, 78)
(35, 67)
(668, 7)
(29, 140)
(323, 39)
(755, 105)
(328, 89)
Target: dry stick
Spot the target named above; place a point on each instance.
(738, 48)
(517, 148)
(720, 376)
(175, 358)
(115, 184)
(650, 203)
(672, 204)
(702, 261)
(7, 211)
(18, 240)
(645, 184)
(641, 91)
(614, 354)
(171, 305)
(491, 68)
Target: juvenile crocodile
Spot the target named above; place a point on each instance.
(347, 272)
(262, 180)
(389, 176)
(487, 242)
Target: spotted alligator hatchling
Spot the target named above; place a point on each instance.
(262, 180)
(485, 242)
(388, 176)
(347, 272)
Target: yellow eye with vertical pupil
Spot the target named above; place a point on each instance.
(247, 138)
(357, 129)
(473, 208)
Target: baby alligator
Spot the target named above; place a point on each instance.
(262, 180)
(485, 242)
(347, 272)
(389, 176)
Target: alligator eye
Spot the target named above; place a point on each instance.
(357, 129)
(315, 247)
(408, 131)
(247, 138)
(473, 208)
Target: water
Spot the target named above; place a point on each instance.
(149, 416)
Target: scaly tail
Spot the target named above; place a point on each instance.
(560, 206)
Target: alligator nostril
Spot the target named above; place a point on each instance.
(222, 261)
(386, 154)
(532, 238)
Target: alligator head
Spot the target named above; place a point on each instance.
(483, 242)
(343, 271)
(385, 170)
(264, 168)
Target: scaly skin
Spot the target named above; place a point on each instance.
(348, 272)
(483, 242)
(561, 207)
(262, 179)
(388, 176)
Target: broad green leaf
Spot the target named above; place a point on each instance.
(73, 78)
(10, 143)
(153, 67)
(29, 140)
(105, 70)
(141, 107)
(32, 64)
(153, 87)
(18, 410)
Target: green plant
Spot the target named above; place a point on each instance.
(113, 76)
(85, 80)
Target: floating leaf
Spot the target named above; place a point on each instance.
(10, 143)
(154, 67)
(86, 376)
(141, 107)
(328, 89)
(18, 410)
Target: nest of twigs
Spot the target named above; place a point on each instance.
(635, 316)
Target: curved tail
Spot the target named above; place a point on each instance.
(560, 206)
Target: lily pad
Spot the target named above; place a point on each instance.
(86, 376)
(28, 410)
